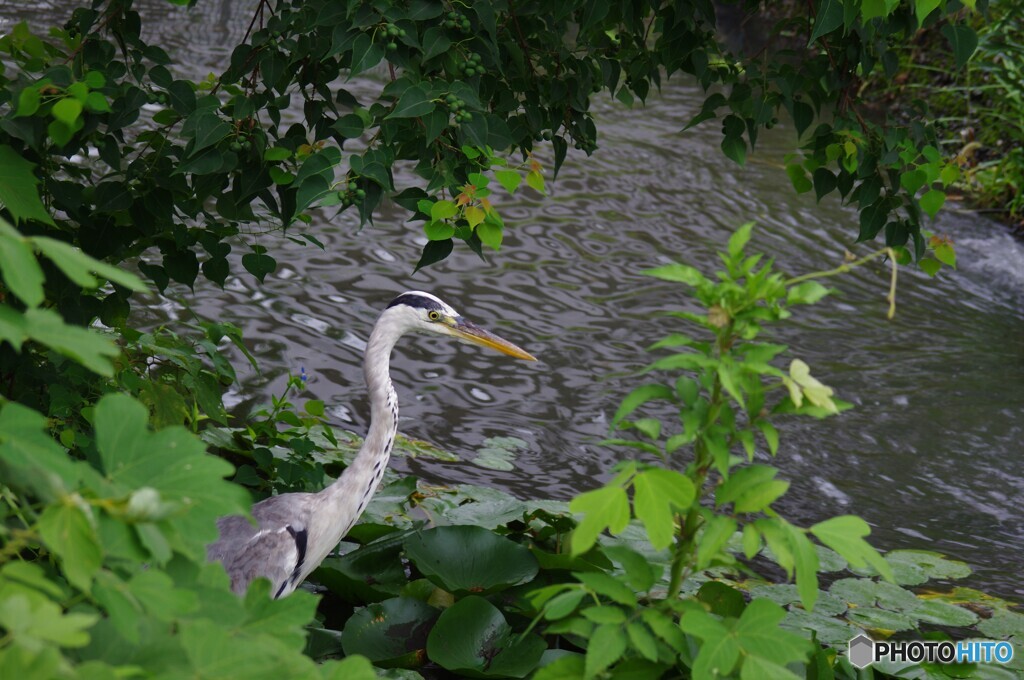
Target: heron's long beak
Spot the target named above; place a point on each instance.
(470, 332)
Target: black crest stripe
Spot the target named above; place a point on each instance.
(418, 301)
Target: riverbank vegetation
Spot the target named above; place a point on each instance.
(978, 109)
(118, 176)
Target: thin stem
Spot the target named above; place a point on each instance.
(847, 266)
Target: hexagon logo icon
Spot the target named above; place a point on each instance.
(862, 651)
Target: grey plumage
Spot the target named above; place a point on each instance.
(296, 531)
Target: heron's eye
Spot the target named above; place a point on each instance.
(434, 316)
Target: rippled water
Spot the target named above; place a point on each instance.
(931, 456)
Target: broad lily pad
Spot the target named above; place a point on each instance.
(1003, 624)
(913, 567)
(470, 559)
(497, 453)
(472, 638)
(943, 614)
(863, 592)
(874, 618)
(828, 630)
(416, 448)
(390, 633)
(787, 594)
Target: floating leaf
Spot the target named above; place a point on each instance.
(392, 632)
(470, 559)
(472, 638)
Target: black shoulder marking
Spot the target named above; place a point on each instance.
(414, 300)
(300, 545)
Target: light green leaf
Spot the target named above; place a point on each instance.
(87, 347)
(727, 376)
(643, 641)
(438, 231)
(771, 435)
(759, 634)
(743, 480)
(806, 565)
(806, 293)
(604, 508)
(751, 541)
(720, 651)
(510, 179)
(442, 210)
(677, 272)
(922, 8)
(277, 153)
(67, 110)
(609, 586)
(606, 646)
(604, 613)
(945, 254)
(658, 495)
(70, 534)
(929, 266)
(535, 181)
(640, 396)
(798, 178)
(739, 239)
(845, 535)
(172, 461)
(717, 532)
(490, 235)
(932, 201)
(473, 215)
(757, 668)
(32, 622)
(80, 268)
(20, 270)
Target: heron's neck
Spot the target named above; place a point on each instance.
(357, 484)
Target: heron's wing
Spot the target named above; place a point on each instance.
(274, 550)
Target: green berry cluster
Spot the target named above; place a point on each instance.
(458, 108)
(459, 21)
(240, 144)
(393, 32)
(350, 194)
(472, 66)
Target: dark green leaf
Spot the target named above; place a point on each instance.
(387, 631)
(963, 40)
(259, 264)
(434, 252)
(18, 188)
(828, 17)
(472, 638)
(486, 562)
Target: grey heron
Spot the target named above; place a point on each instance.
(296, 531)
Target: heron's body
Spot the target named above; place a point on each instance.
(296, 531)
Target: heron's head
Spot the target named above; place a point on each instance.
(427, 313)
